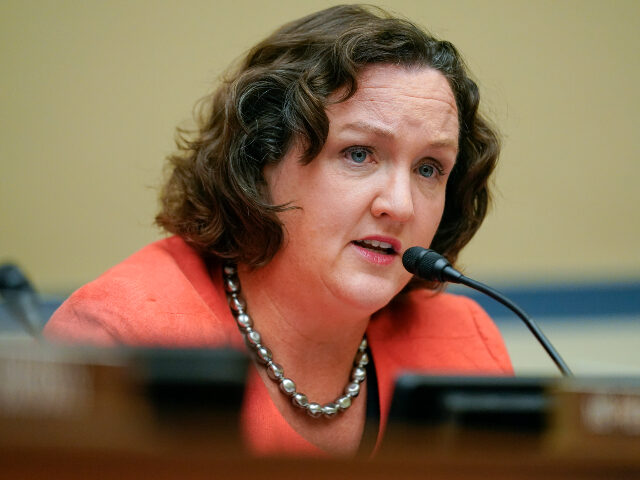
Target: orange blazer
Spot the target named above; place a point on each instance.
(165, 295)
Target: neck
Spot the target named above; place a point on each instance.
(312, 335)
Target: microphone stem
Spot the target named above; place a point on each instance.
(546, 344)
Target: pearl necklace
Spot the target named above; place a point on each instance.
(275, 372)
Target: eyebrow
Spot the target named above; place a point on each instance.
(369, 127)
(386, 132)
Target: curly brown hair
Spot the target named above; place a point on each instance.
(216, 196)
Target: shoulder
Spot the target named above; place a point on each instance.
(444, 332)
(162, 294)
(456, 314)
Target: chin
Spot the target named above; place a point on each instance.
(369, 295)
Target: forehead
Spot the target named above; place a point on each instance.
(400, 99)
(412, 82)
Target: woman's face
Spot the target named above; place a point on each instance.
(376, 188)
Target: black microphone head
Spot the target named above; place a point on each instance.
(425, 263)
(410, 258)
(12, 278)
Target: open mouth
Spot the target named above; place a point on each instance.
(376, 246)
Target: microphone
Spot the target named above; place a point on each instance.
(21, 299)
(433, 267)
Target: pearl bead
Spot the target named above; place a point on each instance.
(232, 285)
(230, 270)
(287, 386)
(363, 345)
(314, 409)
(244, 321)
(253, 338)
(236, 303)
(300, 400)
(358, 374)
(362, 359)
(353, 389)
(344, 402)
(330, 410)
(263, 354)
(275, 371)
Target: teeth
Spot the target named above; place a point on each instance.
(377, 244)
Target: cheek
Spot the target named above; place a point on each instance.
(314, 219)
(330, 200)
(428, 221)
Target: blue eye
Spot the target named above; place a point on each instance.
(358, 155)
(426, 170)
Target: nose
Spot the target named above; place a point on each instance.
(394, 198)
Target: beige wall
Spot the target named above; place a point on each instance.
(91, 91)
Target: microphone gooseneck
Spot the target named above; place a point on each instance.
(431, 266)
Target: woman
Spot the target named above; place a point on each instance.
(342, 139)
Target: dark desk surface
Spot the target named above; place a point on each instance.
(91, 414)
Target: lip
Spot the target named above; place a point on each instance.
(379, 258)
